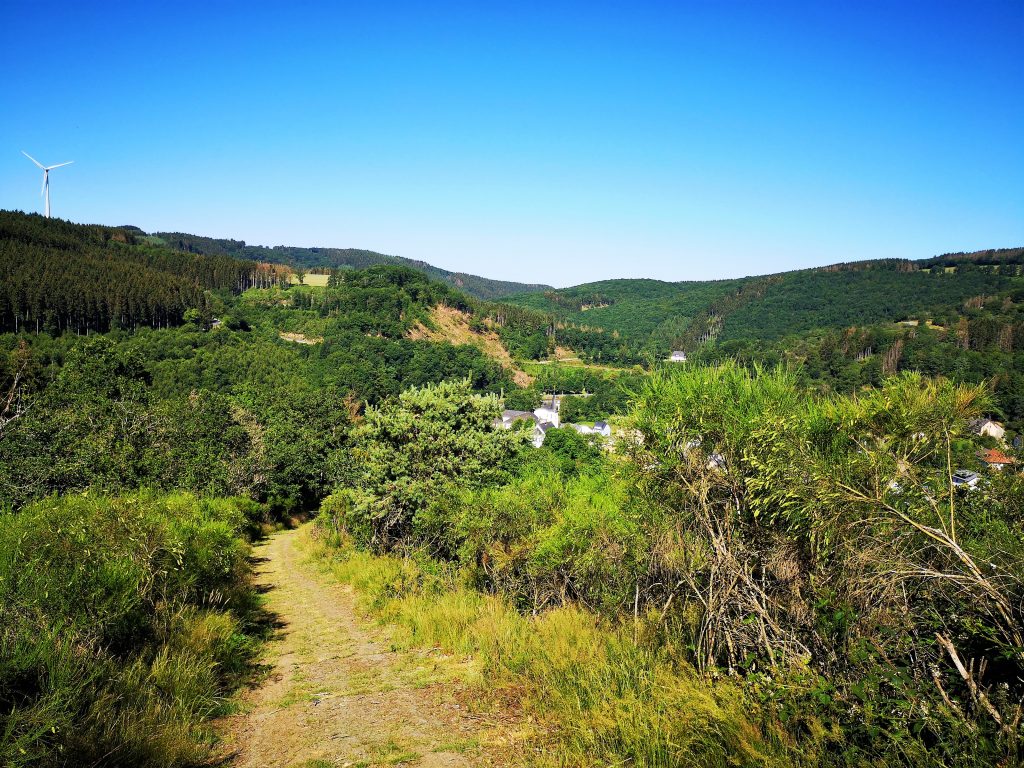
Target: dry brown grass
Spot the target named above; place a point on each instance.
(452, 325)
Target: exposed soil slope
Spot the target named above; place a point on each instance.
(452, 326)
(337, 695)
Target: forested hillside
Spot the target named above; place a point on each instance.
(655, 316)
(57, 276)
(343, 258)
(818, 299)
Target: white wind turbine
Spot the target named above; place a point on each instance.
(46, 177)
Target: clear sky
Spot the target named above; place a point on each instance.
(551, 142)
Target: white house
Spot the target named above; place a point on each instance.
(602, 428)
(548, 411)
(677, 356)
(987, 428)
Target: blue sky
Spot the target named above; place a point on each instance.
(552, 142)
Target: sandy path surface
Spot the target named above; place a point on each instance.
(337, 695)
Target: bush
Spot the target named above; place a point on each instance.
(813, 549)
(408, 451)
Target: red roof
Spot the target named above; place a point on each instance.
(993, 456)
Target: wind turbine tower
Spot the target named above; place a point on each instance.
(46, 177)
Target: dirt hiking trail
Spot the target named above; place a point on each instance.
(337, 696)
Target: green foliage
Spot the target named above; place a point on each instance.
(601, 698)
(630, 321)
(786, 519)
(573, 451)
(406, 451)
(832, 537)
(808, 300)
(813, 547)
(233, 410)
(975, 343)
(122, 624)
(56, 277)
(634, 309)
(98, 425)
(525, 399)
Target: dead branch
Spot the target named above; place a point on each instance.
(972, 685)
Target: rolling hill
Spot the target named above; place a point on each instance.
(345, 258)
(661, 315)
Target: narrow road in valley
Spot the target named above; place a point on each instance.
(337, 694)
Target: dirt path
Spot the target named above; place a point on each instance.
(337, 695)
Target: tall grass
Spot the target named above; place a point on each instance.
(604, 698)
(123, 623)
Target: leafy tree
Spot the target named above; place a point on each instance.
(574, 452)
(408, 450)
(526, 399)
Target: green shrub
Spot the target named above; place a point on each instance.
(811, 549)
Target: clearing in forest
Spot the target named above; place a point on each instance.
(316, 281)
(337, 695)
(300, 338)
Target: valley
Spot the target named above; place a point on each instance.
(800, 546)
(512, 385)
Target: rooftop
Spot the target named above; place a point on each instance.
(993, 456)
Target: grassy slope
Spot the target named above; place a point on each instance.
(123, 623)
(356, 258)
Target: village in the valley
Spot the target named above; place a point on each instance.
(546, 417)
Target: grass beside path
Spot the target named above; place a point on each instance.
(596, 696)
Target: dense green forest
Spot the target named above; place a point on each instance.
(769, 564)
(633, 309)
(812, 300)
(233, 409)
(652, 317)
(61, 277)
(339, 258)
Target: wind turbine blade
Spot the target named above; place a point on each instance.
(26, 154)
(58, 165)
(42, 190)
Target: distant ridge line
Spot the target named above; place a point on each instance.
(341, 258)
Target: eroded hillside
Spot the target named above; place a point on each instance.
(453, 326)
